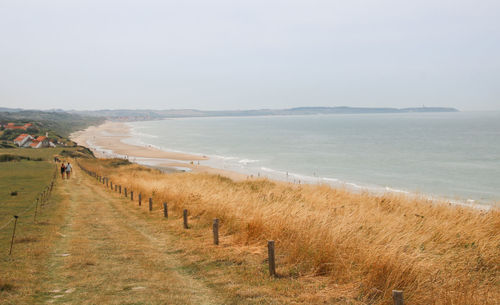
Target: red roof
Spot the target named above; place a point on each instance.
(21, 137)
(41, 138)
(13, 126)
(35, 143)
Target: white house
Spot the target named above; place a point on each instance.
(23, 140)
(40, 142)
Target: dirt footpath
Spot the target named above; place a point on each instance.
(107, 255)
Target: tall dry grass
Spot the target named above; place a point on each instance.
(436, 253)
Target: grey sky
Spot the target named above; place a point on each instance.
(249, 54)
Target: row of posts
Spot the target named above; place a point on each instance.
(397, 295)
(41, 199)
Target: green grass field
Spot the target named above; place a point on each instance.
(44, 153)
(28, 179)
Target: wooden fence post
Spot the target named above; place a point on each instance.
(397, 296)
(13, 234)
(270, 252)
(125, 192)
(150, 204)
(131, 195)
(120, 189)
(165, 210)
(140, 199)
(185, 216)
(36, 210)
(215, 228)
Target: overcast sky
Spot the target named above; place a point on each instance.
(251, 54)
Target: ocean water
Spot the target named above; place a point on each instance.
(445, 155)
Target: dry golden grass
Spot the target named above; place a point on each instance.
(368, 245)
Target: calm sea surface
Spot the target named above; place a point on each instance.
(451, 155)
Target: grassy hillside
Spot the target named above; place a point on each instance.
(365, 245)
(57, 123)
(21, 183)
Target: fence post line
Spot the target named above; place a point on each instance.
(36, 210)
(185, 216)
(270, 252)
(13, 234)
(215, 228)
(150, 204)
(165, 210)
(120, 189)
(397, 296)
(140, 199)
(42, 197)
(131, 196)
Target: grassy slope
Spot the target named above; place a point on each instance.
(365, 245)
(118, 254)
(332, 246)
(28, 178)
(44, 153)
(61, 123)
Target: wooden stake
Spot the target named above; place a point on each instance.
(131, 196)
(140, 199)
(215, 228)
(125, 192)
(270, 252)
(13, 234)
(397, 296)
(185, 216)
(150, 204)
(165, 210)
(36, 210)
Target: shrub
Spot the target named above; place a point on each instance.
(119, 162)
(82, 152)
(9, 158)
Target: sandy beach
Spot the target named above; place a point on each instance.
(107, 141)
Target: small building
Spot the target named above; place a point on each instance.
(13, 126)
(23, 140)
(40, 142)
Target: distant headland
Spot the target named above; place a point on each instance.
(147, 114)
(141, 114)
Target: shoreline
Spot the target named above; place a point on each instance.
(107, 141)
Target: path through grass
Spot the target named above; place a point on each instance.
(104, 257)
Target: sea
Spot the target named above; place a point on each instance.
(453, 156)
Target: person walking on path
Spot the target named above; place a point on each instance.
(63, 170)
(68, 170)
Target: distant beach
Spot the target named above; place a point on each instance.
(108, 141)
